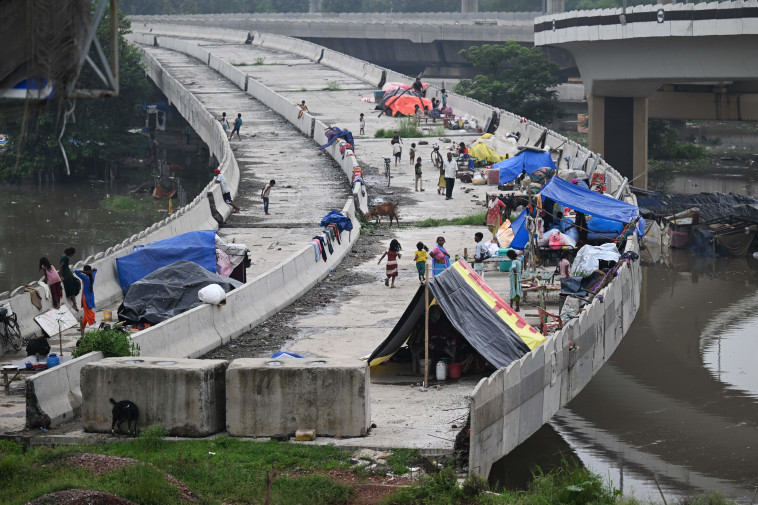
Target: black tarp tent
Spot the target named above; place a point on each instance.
(485, 320)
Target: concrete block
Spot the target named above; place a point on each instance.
(185, 396)
(267, 397)
(54, 396)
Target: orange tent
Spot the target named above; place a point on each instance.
(406, 104)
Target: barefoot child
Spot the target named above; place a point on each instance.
(419, 184)
(515, 279)
(420, 259)
(87, 276)
(393, 254)
(362, 124)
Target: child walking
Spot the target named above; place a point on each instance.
(393, 254)
(87, 276)
(362, 124)
(53, 280)
(420, 259)
(419, 184)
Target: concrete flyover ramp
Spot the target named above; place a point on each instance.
(674, 61)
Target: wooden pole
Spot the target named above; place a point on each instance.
(426, 325)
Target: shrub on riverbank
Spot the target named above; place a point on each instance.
(478, 219)
(112, 343)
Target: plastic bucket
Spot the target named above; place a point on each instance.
(454, 369)
(53, 360)
(441, 370)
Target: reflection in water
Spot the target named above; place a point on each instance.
(677, 400)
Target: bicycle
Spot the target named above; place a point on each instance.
(11, 332)
(387, 164)
(436, 157)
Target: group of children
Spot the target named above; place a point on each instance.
(441, 261)
(62, 278)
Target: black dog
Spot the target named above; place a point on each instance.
(38, 346)
(124, 411)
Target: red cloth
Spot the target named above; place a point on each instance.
(89, 315)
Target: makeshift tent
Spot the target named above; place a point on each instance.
(526, 161)
(589, 202)
(169, 291)
(196, 246)
(484, 152)
(485, 320)
(406, 104)
(520, 233)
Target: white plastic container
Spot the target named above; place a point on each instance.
(441, 370)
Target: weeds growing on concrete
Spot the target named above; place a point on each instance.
(478, 219)
(112, 343)
(401, 459)
(332, 86)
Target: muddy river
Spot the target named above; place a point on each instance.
(92, 215)
(677, 403)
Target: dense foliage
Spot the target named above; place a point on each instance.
(97, 131)
(514, 78)
(663, 144)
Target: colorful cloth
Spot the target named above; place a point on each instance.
(89, 315)
(440, 260)
(88, 292)
(70, 284)
(391, 264)
(494, 212)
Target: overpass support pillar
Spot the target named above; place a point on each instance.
(618, 131)
(469, 5)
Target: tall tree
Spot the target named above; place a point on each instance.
(515, 78)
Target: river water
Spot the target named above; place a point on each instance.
(38, 221)
(678, 400)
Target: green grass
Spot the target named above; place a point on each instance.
(401, 459)
(230, 471)
(407, 128)
(478, 219)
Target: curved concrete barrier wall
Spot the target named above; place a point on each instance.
(193, 216)
(513, 403)
(206, 327)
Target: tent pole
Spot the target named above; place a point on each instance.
(426, 325)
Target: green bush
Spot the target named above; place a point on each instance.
(112, 343)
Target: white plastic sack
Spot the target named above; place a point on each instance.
(213, 294)
(588, 258)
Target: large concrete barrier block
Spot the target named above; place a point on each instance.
(185, 396)
(269, 397)
(54, 396)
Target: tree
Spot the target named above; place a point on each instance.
(518, 79)
(97, 131)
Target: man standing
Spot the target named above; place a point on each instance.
(264, 194)
(236, 127)
(225, 191)
(450, 166)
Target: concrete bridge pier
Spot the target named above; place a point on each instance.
(618, 130)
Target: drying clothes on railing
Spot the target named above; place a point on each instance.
(344, 148)
(322, 246)
(343, 222)
(328, 241)
(356, 180)
(317, 246)
(335, 133)
(335, 231)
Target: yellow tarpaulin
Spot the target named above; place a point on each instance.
(484, 152)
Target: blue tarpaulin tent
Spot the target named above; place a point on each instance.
(589, 202)
(526, 161)
(196, 246)
(583, 200)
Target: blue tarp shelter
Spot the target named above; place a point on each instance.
(589, 202)
(526, 161)
(583, 200)
(196, 246)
